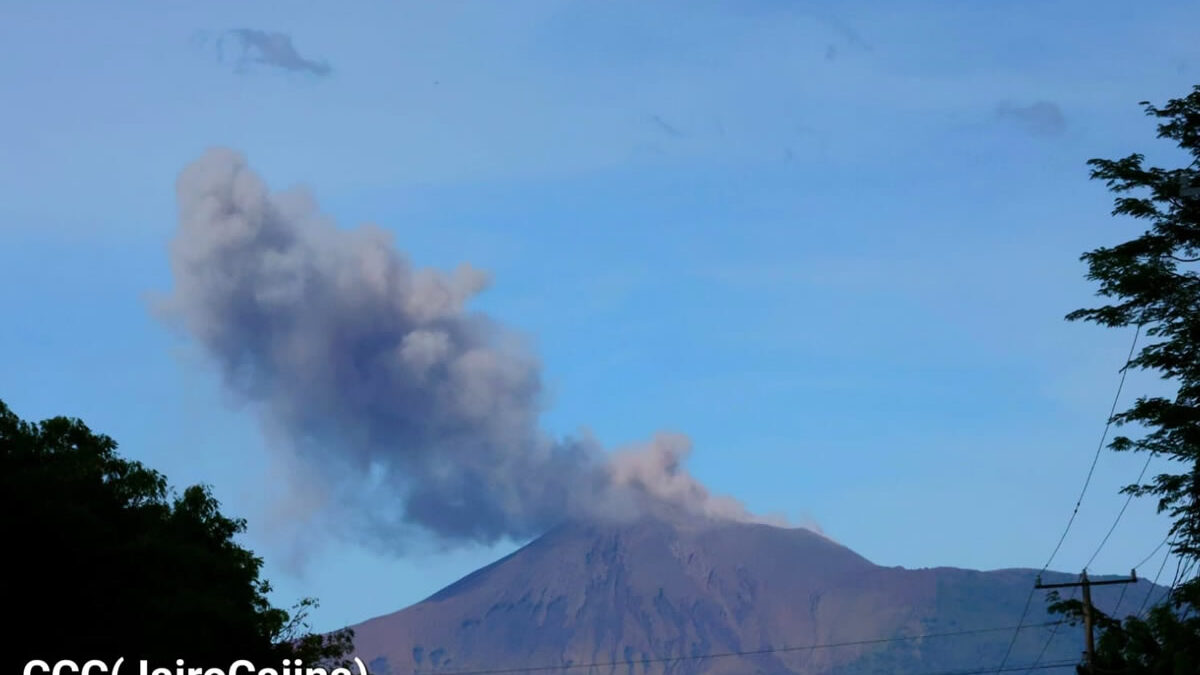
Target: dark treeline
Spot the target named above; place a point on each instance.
(1153, 283)
(104, 560)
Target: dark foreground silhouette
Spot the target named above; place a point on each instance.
(105, 561)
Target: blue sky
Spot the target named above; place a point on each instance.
(832, 243)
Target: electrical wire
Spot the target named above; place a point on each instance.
(1183, 570)
(1116, 607)
(1128, 499)
(1043, 666)
(1151, 554)
(1154, 583)
(1087, 482)
(976, 671)
(752, 652)
(1049, 640)
(1125, 587)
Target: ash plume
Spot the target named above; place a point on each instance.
(273, 49)
(1042, 118)
(374, 376)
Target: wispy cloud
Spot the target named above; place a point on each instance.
(1042, 118)
(273, 49)
(666, 127)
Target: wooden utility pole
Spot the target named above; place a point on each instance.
(1087, 584)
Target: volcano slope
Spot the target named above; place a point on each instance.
(692, 596)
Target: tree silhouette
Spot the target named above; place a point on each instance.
(1154, 282)
(105, 561)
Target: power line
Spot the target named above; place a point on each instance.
(1179, 567)
(752, 652)
(1128, 498)
(1188, 607)
(1124, 588)
(1053, 633)
(977, 671)
(1013, 641)
(1183, 569)
(1087, 481)
(1151, 554)
(1043, 666)
(1099, 447)
(1088, 615)
(1154, 583)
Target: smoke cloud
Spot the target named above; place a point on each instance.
(373, 375)
(1042, 118)
(272, 49)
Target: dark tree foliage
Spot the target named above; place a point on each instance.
(1153, 281)
(103, 560)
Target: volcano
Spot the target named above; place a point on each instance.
(693, 596)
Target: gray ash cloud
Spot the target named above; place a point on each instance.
(268, 48)
(374, 375)
(1041, 118)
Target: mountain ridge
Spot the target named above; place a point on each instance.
(651, 595)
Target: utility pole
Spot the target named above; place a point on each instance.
(1087, 584)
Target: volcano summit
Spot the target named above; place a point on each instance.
(690, 595)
